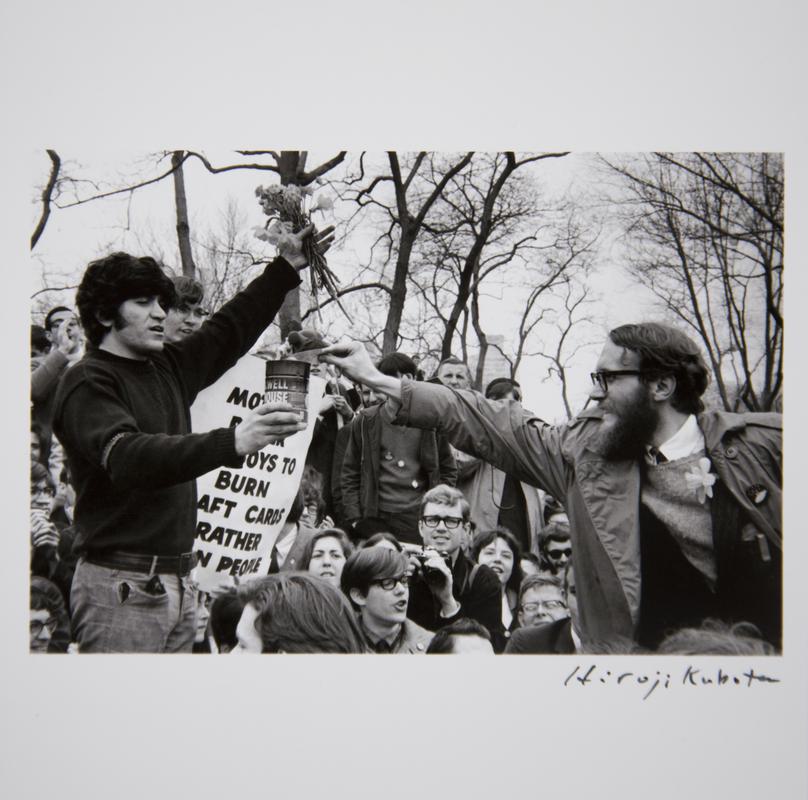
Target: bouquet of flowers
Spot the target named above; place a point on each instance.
(287, 212)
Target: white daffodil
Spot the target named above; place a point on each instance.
(701, 479)
(323, 202)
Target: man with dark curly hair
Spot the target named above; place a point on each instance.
(674, 511)
(123, 416)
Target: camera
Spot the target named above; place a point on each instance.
(423, 554)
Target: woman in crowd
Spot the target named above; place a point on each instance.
(499, 550)
(292, 612)
(325, 554)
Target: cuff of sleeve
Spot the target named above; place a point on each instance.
(225, 439)
(284, 273)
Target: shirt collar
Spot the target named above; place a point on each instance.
(685, 442)
(385, 644)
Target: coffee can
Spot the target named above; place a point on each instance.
(287, 382)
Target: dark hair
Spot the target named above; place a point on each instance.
(551, 508)
(558, 531)
(381, 536)
(110, 281)
(46, 596)
(311, 493)
(368, 565)
(397, 364)
(225, 612)
(337, 533)
(532, 558)
(300, 613)
(665, 350)
(448, 496)
(187, 290)
(483, 538)
(39, 339)
(501, 387)
(39, 472)
(533, 581)
(296, 509)
(443, 640)
(51, 314)
(715, 637)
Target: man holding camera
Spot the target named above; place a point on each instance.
(446, 584)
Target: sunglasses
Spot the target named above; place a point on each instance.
(37, 626)
(567, 551)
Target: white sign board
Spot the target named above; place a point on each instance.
(240, 511)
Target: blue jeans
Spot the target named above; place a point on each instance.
(112, 612)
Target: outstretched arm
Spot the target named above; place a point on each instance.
(354, 361)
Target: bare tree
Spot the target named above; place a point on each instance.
(705, 232)
(47, 196)
(483, 220)
(289, 165)
(181, 204)
(403, 216)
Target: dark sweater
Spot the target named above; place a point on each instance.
(139, 495)
(480, 598)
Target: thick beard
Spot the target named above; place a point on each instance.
(635, 423)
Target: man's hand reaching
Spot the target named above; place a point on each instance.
(268, 423)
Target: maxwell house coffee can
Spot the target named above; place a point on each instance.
(288, 382)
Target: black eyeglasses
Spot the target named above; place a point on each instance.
(450, 522)
(37, 625)
(558, 553)
(602, 377)
(388, 584)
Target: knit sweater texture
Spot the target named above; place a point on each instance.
(125, 426)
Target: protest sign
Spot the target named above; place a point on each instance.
(241, 511)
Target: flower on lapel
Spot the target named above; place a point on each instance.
(701, 479)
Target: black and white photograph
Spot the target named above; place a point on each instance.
(321, 387)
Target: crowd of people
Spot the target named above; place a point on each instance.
(431, 518)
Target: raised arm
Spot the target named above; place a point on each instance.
(500, 433)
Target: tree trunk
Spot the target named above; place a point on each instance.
(399, 293)
(183, 228)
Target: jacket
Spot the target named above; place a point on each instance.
(413, 639)
(360, 466)
(483, 490)
(549, 639)
(475, 587)
(602, 498)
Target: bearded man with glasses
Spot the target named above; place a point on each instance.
(675, 511)
(446, 584)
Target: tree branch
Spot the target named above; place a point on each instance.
(47, 194)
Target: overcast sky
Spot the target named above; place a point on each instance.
(145, 219)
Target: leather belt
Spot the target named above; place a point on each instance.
(174, 565)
